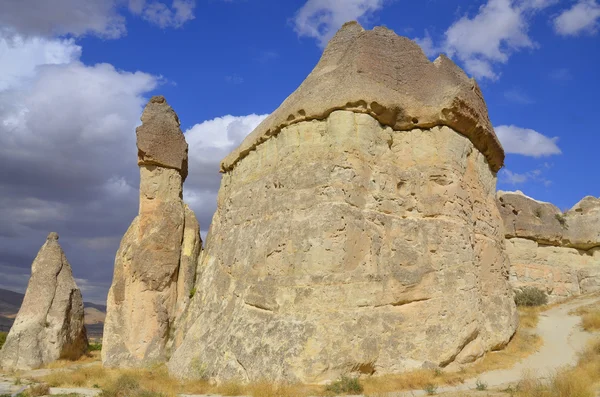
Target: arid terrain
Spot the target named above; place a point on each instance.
(556, 353)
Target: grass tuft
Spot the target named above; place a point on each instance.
(345, 385)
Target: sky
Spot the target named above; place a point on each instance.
(75, 75)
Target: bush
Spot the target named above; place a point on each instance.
(430, 389)
(95, 347)
(530, 296)
(2, 338)
(38, 390)
(479, 385)
(192, 292)
(127, 386)
(345, 385)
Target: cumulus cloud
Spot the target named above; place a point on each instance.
(209, 142)
(514, 178)
(488, 38)
(582, 17)
(526, 142)
(163, 16)
(68, 153)
(320, 19)
(104, 18)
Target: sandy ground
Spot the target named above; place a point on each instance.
(562, 340)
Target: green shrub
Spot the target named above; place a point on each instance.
(479, 385)
(345, 385)
(192, 292)
(2, 338)
(430, 389)
(95, 347)
(127, 386)
(530, 296)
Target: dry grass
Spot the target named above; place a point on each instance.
(529, 316)
(580, 381)
(590, 317)
(88, 358)
(157, 380)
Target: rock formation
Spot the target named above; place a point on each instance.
(155, 265)
(554, 251)
(357, 229)
(50, 323)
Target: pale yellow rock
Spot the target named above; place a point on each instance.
(156, 262)
(50, 322)
(556, 252)
(342, 246)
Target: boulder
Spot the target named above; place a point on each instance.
(349, 238)
(556, 252)
(50, 322)
(156, 262)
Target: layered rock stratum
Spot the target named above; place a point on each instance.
(556, 252)
(155, 265)
(50, 322)
(357, 229)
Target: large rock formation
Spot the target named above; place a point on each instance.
(49, 325)
(554, 251)
(357, 228)
(155, 265)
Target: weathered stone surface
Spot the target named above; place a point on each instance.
(341, 245)
(389, 77)
(156, 261)
(159, 139)
(558, 253)
(50, 323)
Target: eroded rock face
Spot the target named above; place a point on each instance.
(341, 245)
(155, 265)
(50, 323)
(554, 251)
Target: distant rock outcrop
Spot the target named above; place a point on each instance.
(554, 251)
(50, 323)
(357, 229)
(156, 262)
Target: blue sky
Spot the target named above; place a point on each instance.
(75, 74)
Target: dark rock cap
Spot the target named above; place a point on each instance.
(159, 139)
(389, 77)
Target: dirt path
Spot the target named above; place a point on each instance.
(562, 338)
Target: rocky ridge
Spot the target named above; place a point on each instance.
(155, 265)
(50, 322)
(551, 250)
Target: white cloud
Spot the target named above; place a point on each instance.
(516, 95)
(526, 142)
(67, 148)
(161, 15)
(499, 29)
(428, 46)
(582, 17)
(209, 142)
(515, 178)
(320, 19)
(103, 18)
(21, 56)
